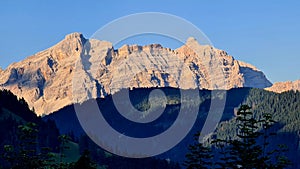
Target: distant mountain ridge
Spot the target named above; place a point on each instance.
(280, 87)
(45, 79)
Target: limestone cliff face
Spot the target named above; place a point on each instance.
(45, 79)
(280, 87)
(93, 68)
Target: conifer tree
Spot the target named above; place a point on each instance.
(199, 157)
(85, 162)
(245, 151)
(248, 151)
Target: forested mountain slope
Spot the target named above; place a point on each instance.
(284, 107)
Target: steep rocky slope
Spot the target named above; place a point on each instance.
(93, 68)
(280, 87)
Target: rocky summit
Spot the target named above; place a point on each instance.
(77, 69)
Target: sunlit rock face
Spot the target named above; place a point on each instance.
(77, 69)
(280, 87)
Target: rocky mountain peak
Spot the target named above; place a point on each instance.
(46, 80)
(75, 35)
(192, 43)
(191, 40)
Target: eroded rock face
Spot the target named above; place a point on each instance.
(280, 87)
(47, 79)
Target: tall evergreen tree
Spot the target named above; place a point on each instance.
(248, 151)
(27, 154)
(200, 157)
(85, 162)
(245, 152)
(64, 141)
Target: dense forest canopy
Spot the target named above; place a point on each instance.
(284, 107)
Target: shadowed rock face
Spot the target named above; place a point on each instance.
(46, 79)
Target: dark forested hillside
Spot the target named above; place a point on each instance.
(14, 112)
(285, 110)
(27, 142)
(284, 107)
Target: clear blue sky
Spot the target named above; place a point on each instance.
(263, 33)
